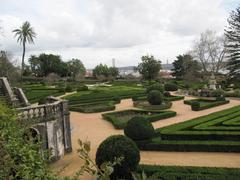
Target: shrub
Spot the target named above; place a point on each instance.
(167, 94)
(138, 128)
(217, 93)
(116, 99)
(68, 88)
(155, 97)
(61, 90)
(195, 105)
(156, 86)
(119, 146)
(82, 88)
(170, 87)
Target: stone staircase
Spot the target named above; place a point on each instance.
(13, 97)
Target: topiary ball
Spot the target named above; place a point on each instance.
(167, 94)
(138, 128)
(170, 87)
(156, 86)
(119, 146)
(155, 97)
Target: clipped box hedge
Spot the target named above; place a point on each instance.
(188, 172)
(201, 104)
(166, 98)
(93, 107)
(119, 119)
(216, 132)
(146, 106)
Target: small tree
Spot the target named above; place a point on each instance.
(76, 69)
(149, 68)
(155, 97)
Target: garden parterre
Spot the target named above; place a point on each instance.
(219, 131)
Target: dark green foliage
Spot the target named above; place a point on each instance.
(167, 94)
(141, 104)
(149, 67)
(92, 107)
(185, 67)
(195, 105)
(155, 86)
(138, 128)
(119, 119)
(69, 88)
(45, 64)
(189, 173)
(75, 68)
(116, 99)
(170, 87)
(217, 93)
(216, 132)
(155, 97)
(103, 72)
(20, 158)
(82, 88)
(233, 44)
(115, 147)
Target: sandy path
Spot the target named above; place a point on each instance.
(93, 128)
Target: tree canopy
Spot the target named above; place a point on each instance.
(103, 72)
(149, 67)
(232, 33)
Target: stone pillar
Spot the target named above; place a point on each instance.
(66, 126)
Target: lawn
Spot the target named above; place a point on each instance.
(217, 132)
(119, 119)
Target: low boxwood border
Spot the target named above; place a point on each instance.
(93, 108)
(211, 104)
(155, 117)
(188, 172)
(140, 105)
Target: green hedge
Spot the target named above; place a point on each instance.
(201, 104)
(216, 132)
(147, 106)
(189, 173)
(170, 98)
(119, 119)
(92, 108)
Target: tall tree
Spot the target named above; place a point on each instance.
(185, 67)
(233, 44)
(210, 51)
(25, 34)
(149, 67)
(76, 68)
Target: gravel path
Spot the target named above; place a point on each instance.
(93, 128)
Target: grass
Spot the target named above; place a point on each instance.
(119, 119)
(219, 132)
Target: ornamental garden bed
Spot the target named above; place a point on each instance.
(147, 106)
(188, 172)
(216, 132)
(119, 119)
(93, 107)
(201, 104)
(166, 98)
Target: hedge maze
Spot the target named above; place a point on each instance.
(216, 132)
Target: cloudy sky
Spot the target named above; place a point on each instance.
(98, 30)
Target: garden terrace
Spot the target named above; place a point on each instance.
(216, 132)
(99, 94)
(201, 104)
(119, 119)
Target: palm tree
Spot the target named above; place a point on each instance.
(24, 34)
